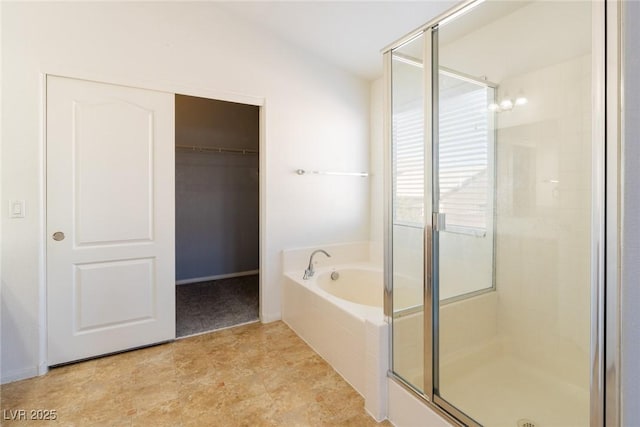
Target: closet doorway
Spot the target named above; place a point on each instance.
(217, 214)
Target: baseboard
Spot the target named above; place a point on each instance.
(18, 375)
(43, 368)
(270, 317)
(217, 277)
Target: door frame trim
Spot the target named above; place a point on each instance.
(613, 227)
(43, 353)
(157, 86)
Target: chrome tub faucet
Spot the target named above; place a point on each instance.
(309, 272)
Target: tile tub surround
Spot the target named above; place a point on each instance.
(253, 375)
(352, 337)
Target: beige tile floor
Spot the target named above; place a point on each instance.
(253, 375)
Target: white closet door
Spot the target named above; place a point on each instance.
(110, 218)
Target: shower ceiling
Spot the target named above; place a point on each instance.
(497, 42)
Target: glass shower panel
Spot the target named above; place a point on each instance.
(407, 85)
(465, 183)
(512, 184)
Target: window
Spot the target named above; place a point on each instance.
(464, 159)
(465, 154)
(408, 178)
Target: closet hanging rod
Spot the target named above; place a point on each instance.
(217, 149)
(305, 172)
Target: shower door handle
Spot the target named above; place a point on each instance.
(439, 221)
(428, 343)
(428, 255)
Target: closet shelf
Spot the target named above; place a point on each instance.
(216, 149)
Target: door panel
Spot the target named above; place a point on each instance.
(130, 282)
(408, 213)
(513, 157)
(110, 190)
(102, 135)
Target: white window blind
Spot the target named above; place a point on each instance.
(463, 156)
(408, 152)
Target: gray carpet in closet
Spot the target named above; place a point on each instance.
(207, 306)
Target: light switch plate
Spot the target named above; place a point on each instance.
(16, 208)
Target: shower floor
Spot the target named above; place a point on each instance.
(505, 390)
(217, 304)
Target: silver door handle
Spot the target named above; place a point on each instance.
(439, 221)
(58, 235)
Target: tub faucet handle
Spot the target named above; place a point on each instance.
(309, 272)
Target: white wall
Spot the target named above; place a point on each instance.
(315, 117)
(376, 168)
(630, 292)
(544, 234)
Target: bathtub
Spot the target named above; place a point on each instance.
(343, 321)
(362, 286)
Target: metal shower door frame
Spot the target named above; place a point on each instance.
(605, 228)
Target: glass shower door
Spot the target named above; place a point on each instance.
(407, 212)
(512, 204)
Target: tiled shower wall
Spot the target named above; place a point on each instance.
(543, 219)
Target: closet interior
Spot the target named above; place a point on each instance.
(217, 214)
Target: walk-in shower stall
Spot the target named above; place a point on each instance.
(494, 212)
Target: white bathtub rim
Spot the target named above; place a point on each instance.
(363, 312)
